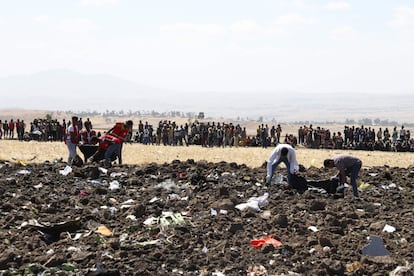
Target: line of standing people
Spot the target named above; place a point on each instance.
(8, 129)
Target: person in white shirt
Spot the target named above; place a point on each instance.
(283, 153)
(72, 139)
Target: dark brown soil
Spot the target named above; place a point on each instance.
(49, 221)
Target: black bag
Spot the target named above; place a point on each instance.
(301, 184)
(298, 182)
(329, 185)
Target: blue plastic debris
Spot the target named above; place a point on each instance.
(375, 248)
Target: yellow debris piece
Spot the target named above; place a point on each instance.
(103, 230)
(353, 266)
(363, 186)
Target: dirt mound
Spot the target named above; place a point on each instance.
(185, 218)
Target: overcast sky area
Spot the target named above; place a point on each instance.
(217, 45)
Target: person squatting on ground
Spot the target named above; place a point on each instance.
(103, 145)
(116, 137)
(72, 139)
(283, 153)
(347, 165)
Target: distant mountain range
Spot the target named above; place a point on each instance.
(62, 89)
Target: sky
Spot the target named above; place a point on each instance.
(361, 46)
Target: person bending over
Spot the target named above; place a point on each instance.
(347, 165)
(116, 137)
(283, 153)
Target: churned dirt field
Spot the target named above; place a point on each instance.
(200, 218)
(200, 211)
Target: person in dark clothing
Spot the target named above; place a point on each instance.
(347, 165)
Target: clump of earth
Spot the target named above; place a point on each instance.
(190, 218)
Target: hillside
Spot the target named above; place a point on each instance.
(68, 90)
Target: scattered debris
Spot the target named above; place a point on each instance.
(375, 247)
(258, 243)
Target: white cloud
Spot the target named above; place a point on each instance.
(42, 18)
(403, 18)
(344, 34)
(403, 22)
(211, 29)
(246, 26)
(292, 19)
(339, 5)
(98, 3)
(243, 29)
(77, 25)
(298, 4)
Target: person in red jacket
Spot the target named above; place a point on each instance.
(103, 145)
(11, 129)
(116, 137)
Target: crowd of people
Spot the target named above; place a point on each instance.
(209, 134)
(357, 138)
(216, 134)
(221, 134)
(39, 129)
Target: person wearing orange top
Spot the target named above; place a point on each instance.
(11, 129)
(116, 137)
(102, 146)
